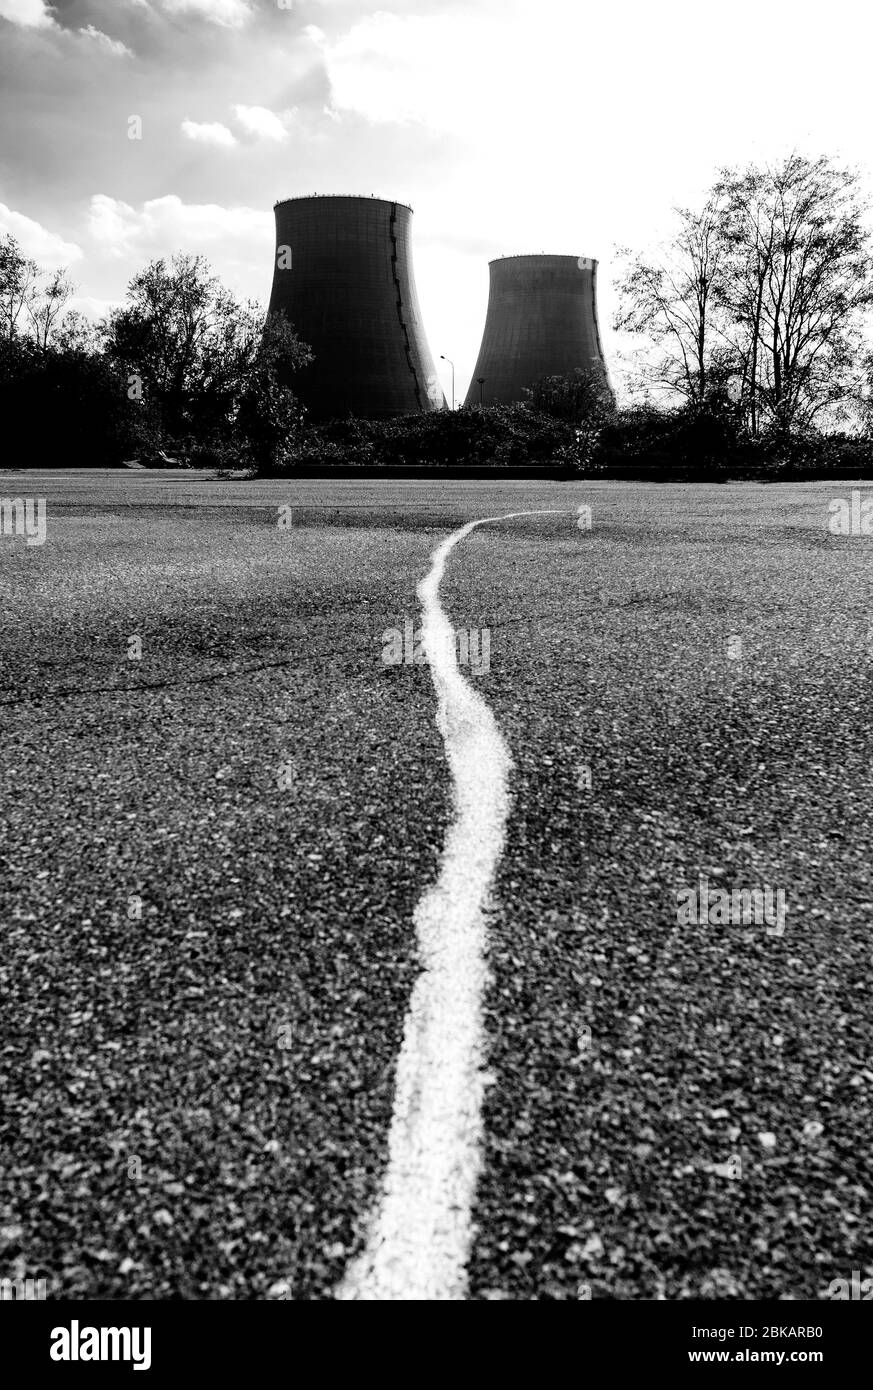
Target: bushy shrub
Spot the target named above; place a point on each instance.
(805, 457)
(480, 437)
(68, 408)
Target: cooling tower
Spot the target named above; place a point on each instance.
(542, 321)
(343, 277)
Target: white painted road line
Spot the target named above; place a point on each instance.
(420, 1234)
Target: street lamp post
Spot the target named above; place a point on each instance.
(481, 381)
(443, 358)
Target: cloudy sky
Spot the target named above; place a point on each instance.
(509, 125)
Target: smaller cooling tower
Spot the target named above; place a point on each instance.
(542, 321)
(343, 277)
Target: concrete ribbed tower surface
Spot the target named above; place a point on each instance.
(541, 321)
(343, 277)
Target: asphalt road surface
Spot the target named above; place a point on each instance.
(222, 808)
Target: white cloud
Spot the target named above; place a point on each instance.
(37, 14)
(113, 46)
(165, 225)
(209, 133)
(394, 68)
(50, 250)
(231, 14)
(257, 120)
(30, 14)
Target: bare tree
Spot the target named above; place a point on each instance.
(673, 300)
(18, 280)
(46, 305)
(798, 280)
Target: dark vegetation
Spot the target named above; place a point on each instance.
(752, 361)
(183, 372)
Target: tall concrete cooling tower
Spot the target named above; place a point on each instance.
(343, 277)
(542, 321)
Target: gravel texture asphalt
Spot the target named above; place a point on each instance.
(211, 855)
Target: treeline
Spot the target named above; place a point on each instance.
(694, 443)
(183, 372)
(751, 358)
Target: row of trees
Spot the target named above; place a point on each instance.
(752, 322)
(760, 298)
(182, 369)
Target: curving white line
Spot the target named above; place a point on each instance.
(420, 1234)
